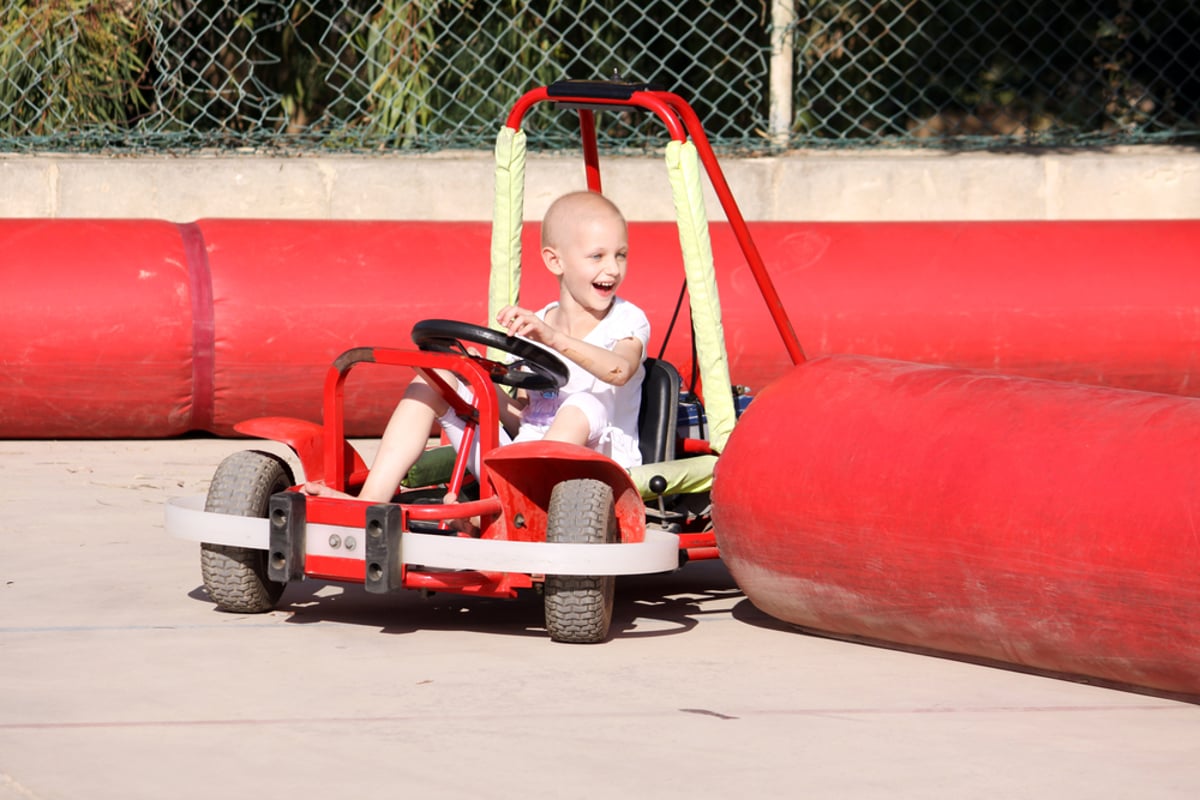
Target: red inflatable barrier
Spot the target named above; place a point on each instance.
(289, 297)
(1025, 521)
(96, 329)
(117, 328)
(1107, 303)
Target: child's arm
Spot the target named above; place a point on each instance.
(616, 366)
(511, 408)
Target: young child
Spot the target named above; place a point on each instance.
(601, 337)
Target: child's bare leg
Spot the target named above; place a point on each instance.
(403, 442)
(570, 425)
(510, 420)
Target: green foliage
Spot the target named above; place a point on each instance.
(70, 65)
(369, 74)
(715, 54)
(345, 73)
(397, 41)
(386, 76)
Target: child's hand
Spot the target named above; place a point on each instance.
(518, 321)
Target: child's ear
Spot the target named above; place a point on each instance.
(551, 260)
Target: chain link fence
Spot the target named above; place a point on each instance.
(352, 75)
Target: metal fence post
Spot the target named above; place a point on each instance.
(783, 57)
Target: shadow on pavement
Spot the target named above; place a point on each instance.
(644, 606)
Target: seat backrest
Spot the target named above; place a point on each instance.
(658, 414)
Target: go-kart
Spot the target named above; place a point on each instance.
(553, 517)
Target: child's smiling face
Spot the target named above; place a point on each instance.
(592, 260)
(587, 249)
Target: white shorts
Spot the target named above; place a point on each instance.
(602, 437)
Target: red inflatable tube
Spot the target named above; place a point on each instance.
(139, 328)
(289, 297)
(1026, 521)
(1106, 303)
(96, 330)
(144, 328)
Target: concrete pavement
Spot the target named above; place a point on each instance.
(118, 679)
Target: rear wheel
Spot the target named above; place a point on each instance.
(236, 577)
(578, 607)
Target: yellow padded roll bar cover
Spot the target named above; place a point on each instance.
(504, 283)
(683, 168)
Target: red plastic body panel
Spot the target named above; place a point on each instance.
(307, 441)
(482, 584)
(118, 328)
(328, 568)
(523, 475)
(1031, 522)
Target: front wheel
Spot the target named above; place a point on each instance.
(236, 577)
(579, 608)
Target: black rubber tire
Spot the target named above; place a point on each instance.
(236, 577)
(578, 607)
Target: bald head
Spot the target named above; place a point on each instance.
(574, 208)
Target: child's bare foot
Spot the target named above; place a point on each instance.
(319, 489)
(469, 526)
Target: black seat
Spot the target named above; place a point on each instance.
(659, 412)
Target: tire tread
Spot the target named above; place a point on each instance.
(236, 577)
(579, 607)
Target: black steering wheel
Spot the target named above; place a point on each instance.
(536, 368)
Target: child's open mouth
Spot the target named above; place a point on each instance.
(603, 286)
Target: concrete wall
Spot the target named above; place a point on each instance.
(1121, 183)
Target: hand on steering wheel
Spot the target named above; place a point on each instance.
(536, 368)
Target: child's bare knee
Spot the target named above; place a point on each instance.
(422, 391)
(570, 425)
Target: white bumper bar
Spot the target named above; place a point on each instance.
(187, 519)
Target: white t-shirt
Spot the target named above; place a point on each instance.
(619, 436)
